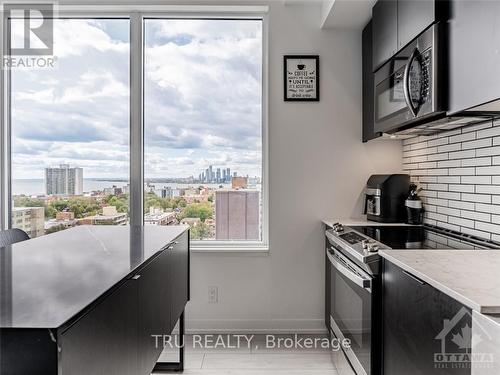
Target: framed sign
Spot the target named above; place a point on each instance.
(301, 78)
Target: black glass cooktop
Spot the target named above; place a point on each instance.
(424, 237)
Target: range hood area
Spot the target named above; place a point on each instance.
(442, 124)
(481, 113)
(469, 83)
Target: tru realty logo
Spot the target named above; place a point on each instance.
(30, 34)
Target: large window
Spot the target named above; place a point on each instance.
(203, 126)
(195, 101)
(70, 130)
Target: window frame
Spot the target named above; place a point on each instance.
(137, 15)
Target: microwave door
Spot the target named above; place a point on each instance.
(390, 105)
(413, 82)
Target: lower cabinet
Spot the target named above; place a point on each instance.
(180, 277)
(155, 296)
(425, 331)
(163, 293)
(104, 341)
(119, 334)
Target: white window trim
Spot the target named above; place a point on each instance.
(137, 14)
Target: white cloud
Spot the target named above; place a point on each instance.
(203, 96)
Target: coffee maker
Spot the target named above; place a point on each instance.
(385, 196)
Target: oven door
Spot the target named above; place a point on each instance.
(351, 310)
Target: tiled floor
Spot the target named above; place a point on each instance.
(258, 359)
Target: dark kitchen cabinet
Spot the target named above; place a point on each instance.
(96, 344)
(385, 31)
(368, 86)
(155, 296)
(414, 17)
(415, 317)
(163, 294)
(397, 22)
(105, 323)
(117, 336)
(180, 277)
(474, 57)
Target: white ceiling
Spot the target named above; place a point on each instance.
(346, 14)
(340, 14)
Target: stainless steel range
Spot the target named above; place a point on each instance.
(353, 298)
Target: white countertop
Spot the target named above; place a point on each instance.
(472, 277)
(357, 221)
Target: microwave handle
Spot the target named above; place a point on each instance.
(406, 83)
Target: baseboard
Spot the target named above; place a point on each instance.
(264, 326)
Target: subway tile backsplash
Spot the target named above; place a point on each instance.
(459, 172)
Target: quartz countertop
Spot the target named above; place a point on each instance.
(46, 281)
(357, 221)
(469, 276)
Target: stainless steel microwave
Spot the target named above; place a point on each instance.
(408, 88)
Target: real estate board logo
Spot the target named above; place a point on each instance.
(31, 28)
(460, 345)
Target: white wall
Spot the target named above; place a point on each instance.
(318, 168)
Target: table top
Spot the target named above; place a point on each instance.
(46, 281)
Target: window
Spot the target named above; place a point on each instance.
(203, 126)
(200, 119)
(70, 130)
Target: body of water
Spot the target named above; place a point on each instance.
(36, 186)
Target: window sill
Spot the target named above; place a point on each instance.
(230, 248)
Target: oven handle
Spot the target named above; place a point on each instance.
(406, 83)
(360, 281)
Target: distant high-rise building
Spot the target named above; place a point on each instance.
(237, 215)
(224, 175)
(29, 219)
(64, 180)
(218, 176)
(207, 175)
(228, 174)
(210, 174)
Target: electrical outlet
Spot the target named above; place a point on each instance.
(213, 294)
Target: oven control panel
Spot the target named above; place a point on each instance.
(352, 237)
(354, 242)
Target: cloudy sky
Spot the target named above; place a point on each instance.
(202, 100)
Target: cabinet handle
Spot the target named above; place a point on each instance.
(172, 245)
(136, 277)
(414, 278)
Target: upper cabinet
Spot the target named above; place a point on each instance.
(385, 35)
(368, 86)
(474, 41)
(414, 16)
(397, 22)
